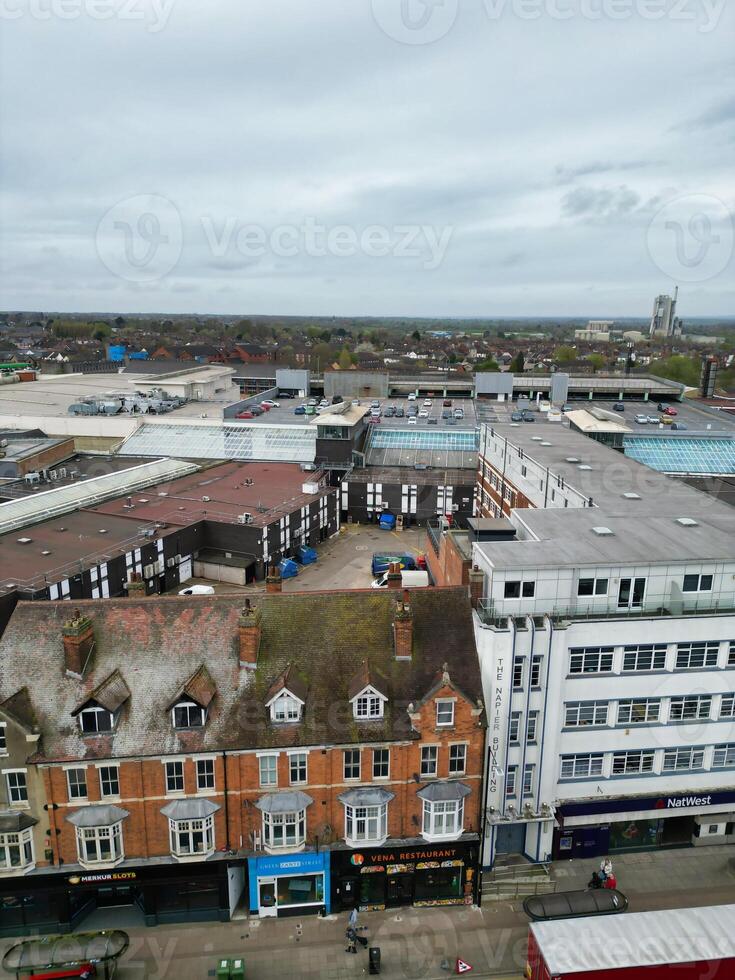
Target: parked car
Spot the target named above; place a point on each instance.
(653, 419)
(567, 408)
(399, 413)
(433, 420)
(412, 420)
(324, 403)
(618, 407)
(245, 415)
(375, 403)
(516, 417)
(423, 414)
(312, 401)
(678, 426)
(412, 396)
(376, 413)
(269, 403)
(446, 413)
(459, 413)
(427, 403)
(374, 420)
(198, 590)
(257, 410)
(447, 403)
(670, 410)
(642, 419)
(528, 417)
(300, 410)
(409, 580)
(389, 412)
(666, 420)
(285, 394)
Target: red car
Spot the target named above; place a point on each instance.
(670, 411)
(374, 420)
(245, 415)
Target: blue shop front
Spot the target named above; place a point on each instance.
(293, 884)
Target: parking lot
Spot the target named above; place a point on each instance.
(343, 563)
(426, 415)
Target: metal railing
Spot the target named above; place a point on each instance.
(434, 532)
(492, 615)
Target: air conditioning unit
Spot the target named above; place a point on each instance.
(148, 571)
(205, 500)
(245, 519)
(455, 506)
(177, 559)
(158, 567)
(170, 562)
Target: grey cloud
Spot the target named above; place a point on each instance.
(601, 202)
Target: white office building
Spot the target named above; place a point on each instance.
(607, 642)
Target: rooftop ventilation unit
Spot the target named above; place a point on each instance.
(603, 532)
(572, 459)
(103, 530)
(687, 522)
(545, 443)
(205, 500)
(24, 540)
(584, 466)
(632, 496)
(245, 519)
(535, 438)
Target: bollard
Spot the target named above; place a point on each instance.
(374, 959)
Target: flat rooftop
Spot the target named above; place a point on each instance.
(430, 475)
(220, 493)
(75, 469)
(52, 394)
(640, 506)
(66, 545)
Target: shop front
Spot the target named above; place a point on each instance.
(60, 900)
(418, 874)
(293, 884)
(595, 827)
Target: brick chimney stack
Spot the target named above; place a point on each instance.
(394, 575)
(403, 628)
(249, 636)
(136, 586)
(78, 636)
(273, 580)
(477, 586)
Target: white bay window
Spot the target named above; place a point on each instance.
(366, 815)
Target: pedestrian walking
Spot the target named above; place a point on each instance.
(353, 919)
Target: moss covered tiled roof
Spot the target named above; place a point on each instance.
(158, 645)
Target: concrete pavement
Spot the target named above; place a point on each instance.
(416, 944)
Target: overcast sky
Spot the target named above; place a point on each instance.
(455, 157)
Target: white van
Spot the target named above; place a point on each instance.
(409, 580)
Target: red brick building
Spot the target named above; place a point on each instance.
(311, 751)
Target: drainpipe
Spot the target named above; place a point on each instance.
(227, 806)
(543, 726)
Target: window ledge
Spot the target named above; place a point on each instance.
(367, 842)
(433, 838)
(286, 849)
(25, 805)
(101, 865)
(176, 794)
(189, 858)
(17, 872)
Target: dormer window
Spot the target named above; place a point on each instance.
(94, 720)
(368, 704)
(286, 708)
(188, 714)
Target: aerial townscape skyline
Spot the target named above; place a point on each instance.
(367, 490)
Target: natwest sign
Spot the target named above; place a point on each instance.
(672, 802)
(641, 804)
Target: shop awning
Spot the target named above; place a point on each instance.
(98, 816)
(284, 802)
(12, 821)
(189, 809)
(367, 796)
(443, 792)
